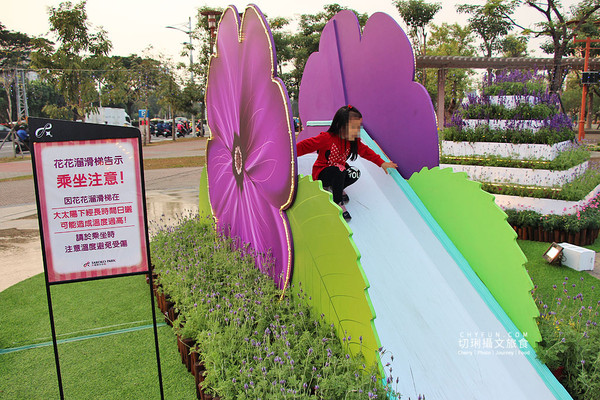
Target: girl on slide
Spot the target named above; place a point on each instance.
(339, 143)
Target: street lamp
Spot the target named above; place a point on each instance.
(188, 32)
(211, 16)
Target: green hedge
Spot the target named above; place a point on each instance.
(565, 160)
(483, 133)
(575, 190)
(523, 111)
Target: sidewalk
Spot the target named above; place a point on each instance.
(187, 147)
(170, 193)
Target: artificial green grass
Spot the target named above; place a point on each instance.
(121, 366)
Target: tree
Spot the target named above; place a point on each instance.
(284, 45)
(561, 30)
(202, 34)
(127, 81)
(514, 46)
(490, 22)
(306, 42)
(451, 40)
(16, 47)
(40, 93)
(15, 51)
(282, 40)
(70, 66)
(169, 93)
(417, 15)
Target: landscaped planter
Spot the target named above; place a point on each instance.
(531, 124)
(544, 206)
(515, 151)
(519, 176)
(512, 101)
(584, 237)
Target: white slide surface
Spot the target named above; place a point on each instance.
(445, 341)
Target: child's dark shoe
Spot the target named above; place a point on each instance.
(346, 216)
(345, 198)
(345, 213)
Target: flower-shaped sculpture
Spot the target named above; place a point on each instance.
(251, 152)
(373, 71)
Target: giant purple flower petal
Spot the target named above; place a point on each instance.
(251, 152)
(374, 72)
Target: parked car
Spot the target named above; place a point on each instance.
(4, 130)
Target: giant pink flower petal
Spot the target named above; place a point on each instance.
(251, 153)
(375, 73)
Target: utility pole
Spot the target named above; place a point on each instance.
(585, 82)
(211, 19)
(189, 33)
(22, 109)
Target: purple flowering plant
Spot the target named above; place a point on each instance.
(253, 342)
(569, 324)
(514, 82)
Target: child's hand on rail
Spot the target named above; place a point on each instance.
(388, 164)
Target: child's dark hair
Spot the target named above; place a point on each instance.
(340, 122)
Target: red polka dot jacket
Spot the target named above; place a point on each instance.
(333, 150)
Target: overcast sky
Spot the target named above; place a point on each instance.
(134, 25)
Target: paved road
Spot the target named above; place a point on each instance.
(19, 192)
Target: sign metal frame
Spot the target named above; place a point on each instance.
(56, 138)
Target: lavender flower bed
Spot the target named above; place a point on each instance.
(512, 100)
(255, 341)
(556, 128)
(570, 326)
(516, 117)
(514, 82)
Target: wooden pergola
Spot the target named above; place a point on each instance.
(443, 63)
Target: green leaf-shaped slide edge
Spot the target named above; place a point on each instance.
(327, 268)
(477, 227)
(204, 208)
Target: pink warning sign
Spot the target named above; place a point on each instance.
(91, 208)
